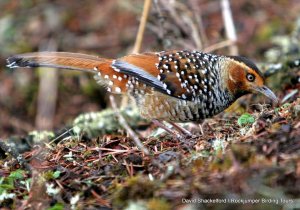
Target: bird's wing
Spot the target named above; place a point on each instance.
(180, 74)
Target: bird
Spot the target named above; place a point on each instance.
(169, 86)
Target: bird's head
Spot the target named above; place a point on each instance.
(244, 77)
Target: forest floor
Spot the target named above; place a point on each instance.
(249, 161)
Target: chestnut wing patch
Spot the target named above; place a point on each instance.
(181, 74)
(138, 73)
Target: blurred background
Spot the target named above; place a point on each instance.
(49, 99)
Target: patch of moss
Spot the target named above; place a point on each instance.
(105, 122)
(158, 203)
(133, 189)
(57, 206)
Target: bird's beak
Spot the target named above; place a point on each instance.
(267, 92)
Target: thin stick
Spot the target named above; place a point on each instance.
(229, 26)
(199, 22)
(47, 95)
(194, 31)
(219, 45)
(125, 125)
(195, 18)
(139, 38)
(57, 137)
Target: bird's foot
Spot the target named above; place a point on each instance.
(178, 133)
(181, 129)
(166, 128)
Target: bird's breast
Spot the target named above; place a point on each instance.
(164, 107)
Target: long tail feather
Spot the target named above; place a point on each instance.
(63, 60)
(115, 82)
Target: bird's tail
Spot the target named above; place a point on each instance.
(105, 74)
(64, 60)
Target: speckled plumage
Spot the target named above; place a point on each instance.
(175, 86)
(191, 87)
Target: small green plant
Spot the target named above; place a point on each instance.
(18, 174)
(51, 175)
(7, 184)
(57, 206)
(286, 105)
(246, 119)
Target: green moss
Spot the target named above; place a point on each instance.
(39, 136)
(57, 206)
(134, 188)
(243, 153)
(157, 203)
(105, 122)
(220, 164)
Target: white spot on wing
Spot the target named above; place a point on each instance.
(118, 90)
(115, 68)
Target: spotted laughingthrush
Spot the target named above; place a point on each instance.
(173, 86)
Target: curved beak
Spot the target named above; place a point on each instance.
(267, 92)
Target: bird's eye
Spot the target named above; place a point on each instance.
(250, 77)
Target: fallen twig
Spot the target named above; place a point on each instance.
(100, 200)
(219, 45)
(125, 125)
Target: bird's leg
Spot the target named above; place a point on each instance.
(202, 124)
(166, 128)
(181, 129)
(201, 128)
